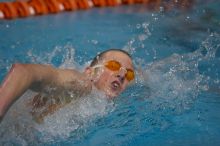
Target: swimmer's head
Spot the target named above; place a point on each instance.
(111, 71)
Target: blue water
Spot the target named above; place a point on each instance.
(175, 100)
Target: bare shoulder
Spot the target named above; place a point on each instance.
(49, 76)
(73, 79)
(67, 75)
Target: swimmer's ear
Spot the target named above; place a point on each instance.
(88, 71)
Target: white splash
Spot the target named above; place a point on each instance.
(78, 114)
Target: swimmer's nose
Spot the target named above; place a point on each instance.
(121, 75)
(121, 78)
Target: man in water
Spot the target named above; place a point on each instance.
(110, 72)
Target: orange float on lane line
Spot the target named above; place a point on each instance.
(82, 4)
(52, 6)
(39, 6)
(22, 8)
(8, 10)
(69, 5)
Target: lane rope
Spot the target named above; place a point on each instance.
(25, 8)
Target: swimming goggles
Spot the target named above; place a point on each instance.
(116, 66)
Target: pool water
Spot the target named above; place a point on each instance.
(175, 99)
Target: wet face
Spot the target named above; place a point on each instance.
(113, 82)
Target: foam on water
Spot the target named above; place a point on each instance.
(179, 77)
(76, 115)
(18, 127)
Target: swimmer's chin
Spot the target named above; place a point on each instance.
(111, 95)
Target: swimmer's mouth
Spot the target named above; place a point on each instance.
(115, 85)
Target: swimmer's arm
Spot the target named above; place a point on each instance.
(20, 78)
(31, 76)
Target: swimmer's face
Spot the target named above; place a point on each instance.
(113, 82)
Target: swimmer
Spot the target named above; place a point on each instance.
(110, 72)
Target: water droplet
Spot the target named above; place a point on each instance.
(138, 26)
(95, 42)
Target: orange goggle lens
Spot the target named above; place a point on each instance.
(129, 75)
(116, 66)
